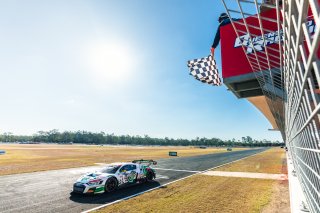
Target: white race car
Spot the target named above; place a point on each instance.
(115, 175)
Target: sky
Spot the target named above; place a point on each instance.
(117, 66)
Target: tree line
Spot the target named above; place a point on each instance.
(85, 137)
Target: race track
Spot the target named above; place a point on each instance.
(49, 191)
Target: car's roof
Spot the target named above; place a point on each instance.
(119, 163)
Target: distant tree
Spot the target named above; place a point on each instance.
(54, 136)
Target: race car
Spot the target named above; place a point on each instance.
(115, 175)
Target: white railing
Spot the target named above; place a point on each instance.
(292, 88)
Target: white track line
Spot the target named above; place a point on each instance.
(253, 175)
(177, 170)
(149, 190)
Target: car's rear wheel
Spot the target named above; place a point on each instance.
(111, 185)
(149, 176)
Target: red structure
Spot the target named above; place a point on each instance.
(234, 60)
(240, 76)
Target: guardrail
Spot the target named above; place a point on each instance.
(302, 75)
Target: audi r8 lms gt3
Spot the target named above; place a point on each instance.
(115, 175)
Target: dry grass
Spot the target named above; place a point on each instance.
(22, 158)
(202, 194)
(280, 200)
(270, 161)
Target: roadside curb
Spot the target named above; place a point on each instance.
(297, 197)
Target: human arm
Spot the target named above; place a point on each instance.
(216, 39)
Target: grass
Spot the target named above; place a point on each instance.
(21, 158)
(201, 193)
(271, 161)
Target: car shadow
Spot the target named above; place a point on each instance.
(109, 197)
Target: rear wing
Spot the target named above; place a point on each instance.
(149, 162)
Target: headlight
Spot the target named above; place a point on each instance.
(78, 184)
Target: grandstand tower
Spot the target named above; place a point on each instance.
(270, 56)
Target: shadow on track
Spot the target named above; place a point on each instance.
(113, 196)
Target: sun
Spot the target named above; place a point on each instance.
(111, 62)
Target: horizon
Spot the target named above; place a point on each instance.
(143, 136)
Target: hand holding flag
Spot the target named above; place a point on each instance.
(212, 51)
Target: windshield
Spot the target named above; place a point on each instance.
(110, 169)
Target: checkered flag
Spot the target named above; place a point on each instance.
(205, 70)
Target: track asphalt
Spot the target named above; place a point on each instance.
(49, 191)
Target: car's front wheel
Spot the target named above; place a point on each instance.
(111, 185)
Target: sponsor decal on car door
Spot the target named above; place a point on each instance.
(128, 174)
